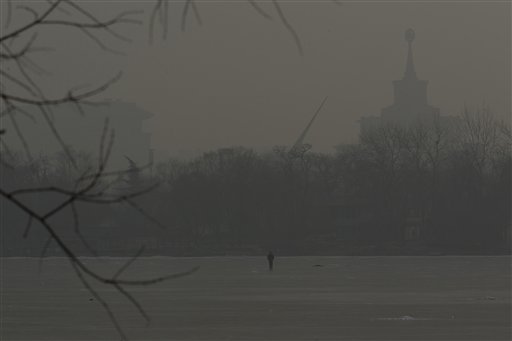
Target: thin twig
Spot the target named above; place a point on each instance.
(23, 141)
(104, 303)
(128, 263)
(258, 9)
(32, 24)
(46, 246)
(66, 99)
(27, 227)
(289, 27)
(154, 12)
(184, 15)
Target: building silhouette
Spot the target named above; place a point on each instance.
(410, 105)
(82, 131)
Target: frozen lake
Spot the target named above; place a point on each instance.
(236, 298)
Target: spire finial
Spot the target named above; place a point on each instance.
(409, 35)
(410, 73)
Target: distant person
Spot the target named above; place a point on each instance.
(270, 259)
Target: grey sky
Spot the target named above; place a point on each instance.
(238, 79)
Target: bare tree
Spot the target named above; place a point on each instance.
(482, 137)
(19, 90)
(22, 93)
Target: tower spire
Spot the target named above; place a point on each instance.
(410, 73)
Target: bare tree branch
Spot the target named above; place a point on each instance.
(17, 82)
(65, 99)
(21, 137)
(8, 16)
(32, 24)
(105, 305)
(129, 262)
(289, 27)
(189, 4)
(258, 9)
(46, 246)
(22, 52)
(154, 13)
(27, 227)
(196, 13)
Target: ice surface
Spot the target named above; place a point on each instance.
(236, 298)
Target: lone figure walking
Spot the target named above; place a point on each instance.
(270, 259)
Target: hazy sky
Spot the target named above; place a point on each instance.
(239, 80)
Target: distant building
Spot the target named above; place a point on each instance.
(410, 104)
(82, 131)
(355, 218)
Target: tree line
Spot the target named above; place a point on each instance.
(400, 189)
